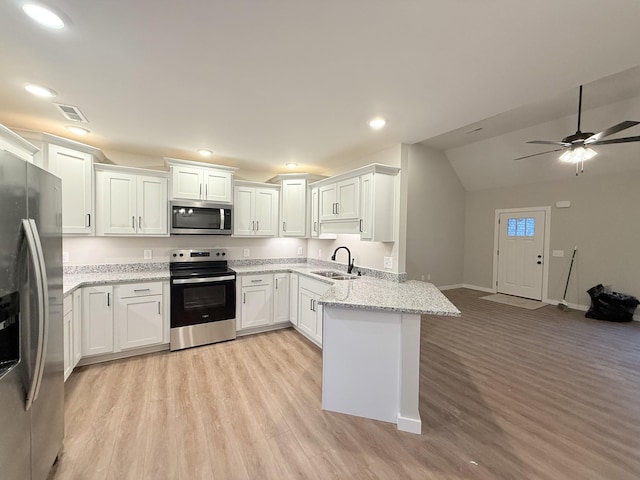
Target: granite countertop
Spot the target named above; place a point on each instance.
(73, 281)
(370, 293)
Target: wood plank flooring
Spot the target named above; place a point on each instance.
(505, 393)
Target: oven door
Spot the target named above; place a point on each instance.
(202, 300)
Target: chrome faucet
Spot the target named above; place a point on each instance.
(349, 261)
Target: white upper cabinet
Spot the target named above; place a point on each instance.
(129, 203)
(340, 200)
(293, 208)
(198, 181)
(14, 143)
(255, 211)
(377, 206)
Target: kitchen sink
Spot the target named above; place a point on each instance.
(334, 275)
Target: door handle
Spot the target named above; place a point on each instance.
(539, 262)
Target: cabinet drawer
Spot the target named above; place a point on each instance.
(139, 289)
(248, 280)
(67, 304)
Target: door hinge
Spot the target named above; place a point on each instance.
(498, 221)
(496, 283)
(497, 252)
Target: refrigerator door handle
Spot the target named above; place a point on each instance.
(35, 261)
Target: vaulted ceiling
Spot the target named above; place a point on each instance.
(264, 83)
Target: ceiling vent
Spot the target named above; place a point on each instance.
(71, 113)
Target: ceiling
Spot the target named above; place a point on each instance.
(264, 83)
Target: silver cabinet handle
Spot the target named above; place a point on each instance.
(244, 298)
(257, 225)
(133, 222)
(284, 226)
(158, 308)
(276, 283)
(311, 304)
(108, 299)
(256, 281)
(35, 255)
(206, 190)
(140, 223)
(360, 225)
(88, 222)
(315, 227)
(200, 190)
(141, 289)
(253, 226)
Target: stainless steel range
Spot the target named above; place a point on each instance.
(203, 298)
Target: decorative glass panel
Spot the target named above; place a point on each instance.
(520, 223)
(511, 227)
(530, 229)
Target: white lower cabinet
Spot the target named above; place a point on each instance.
(256, 297)
(67, 329)
(139, 315)
(309, 311)
(293, 299)
(124, 317)
(281, 298)
(77, 326)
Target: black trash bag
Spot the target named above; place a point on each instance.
(609, 305)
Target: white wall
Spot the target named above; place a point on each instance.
(435, 218)
(602, 221)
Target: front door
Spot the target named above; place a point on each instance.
(521, 253)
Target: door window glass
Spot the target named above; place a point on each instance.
(521, 227)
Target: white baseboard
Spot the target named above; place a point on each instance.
(480, 289)
(449, 287)
(583, 308)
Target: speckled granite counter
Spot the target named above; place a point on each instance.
(369, 293)
(76, 277)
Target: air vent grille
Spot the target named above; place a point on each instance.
(71, 113)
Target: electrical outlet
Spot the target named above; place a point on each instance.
(148, 254)
(388, 262)
(422, 278)
(245, 252)
(558, 253)
(65, 257)
(299, 251)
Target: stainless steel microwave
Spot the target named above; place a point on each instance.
(199, 218)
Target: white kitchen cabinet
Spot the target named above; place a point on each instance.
(309, 311)
(315, 213)
(293, 298)
(377, 207)
(67, 335)
(14, 143)
(128, 202)
(281, 302)
(197, 181)
(97, 320)
(255, 210)
(77, 326)
(256, 301)
(340, 200)
(139, 313)
(293, 208)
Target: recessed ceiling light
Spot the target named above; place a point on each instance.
(43, 16)
(204, 152)
(377, 123)
(291, 165)
(77, 130)
(40, 91)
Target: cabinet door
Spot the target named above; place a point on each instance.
(152, 210)
(281, 298)
(348, 199)
(315, 214)
(243, 214)
(294, 208)
(327, 202)
(116, 203)
(67, 332)
(266, 212)
(140, 321)
(97, 320)
(257, 307)
(318, 312)
(306, 315)
(186, 182)
(366, 206)
(217, 186)
(76, 171)
(77, 326)
(293, 298)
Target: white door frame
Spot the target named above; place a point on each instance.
(547, 244)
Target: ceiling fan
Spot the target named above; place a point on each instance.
(577, 147)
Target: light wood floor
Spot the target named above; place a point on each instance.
(505, 393)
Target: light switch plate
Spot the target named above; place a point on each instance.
(65, 257)
(558, 253)
(388, 262)
(148, 254)
(245, 252)
(300, 251)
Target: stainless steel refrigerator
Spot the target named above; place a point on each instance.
(31, 336)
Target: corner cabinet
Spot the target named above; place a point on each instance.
(264, 301)
(255, 210)
(340, 200)
(293, 208)
(131, 201)
(309, 311)
(200, 181)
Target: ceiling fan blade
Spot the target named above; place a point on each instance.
(541, 153)
(548, 142)
(610, 131)
(616, 140)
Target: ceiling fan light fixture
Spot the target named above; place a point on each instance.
(578, 154)
(43, 16)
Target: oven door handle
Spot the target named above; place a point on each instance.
(182, 281)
